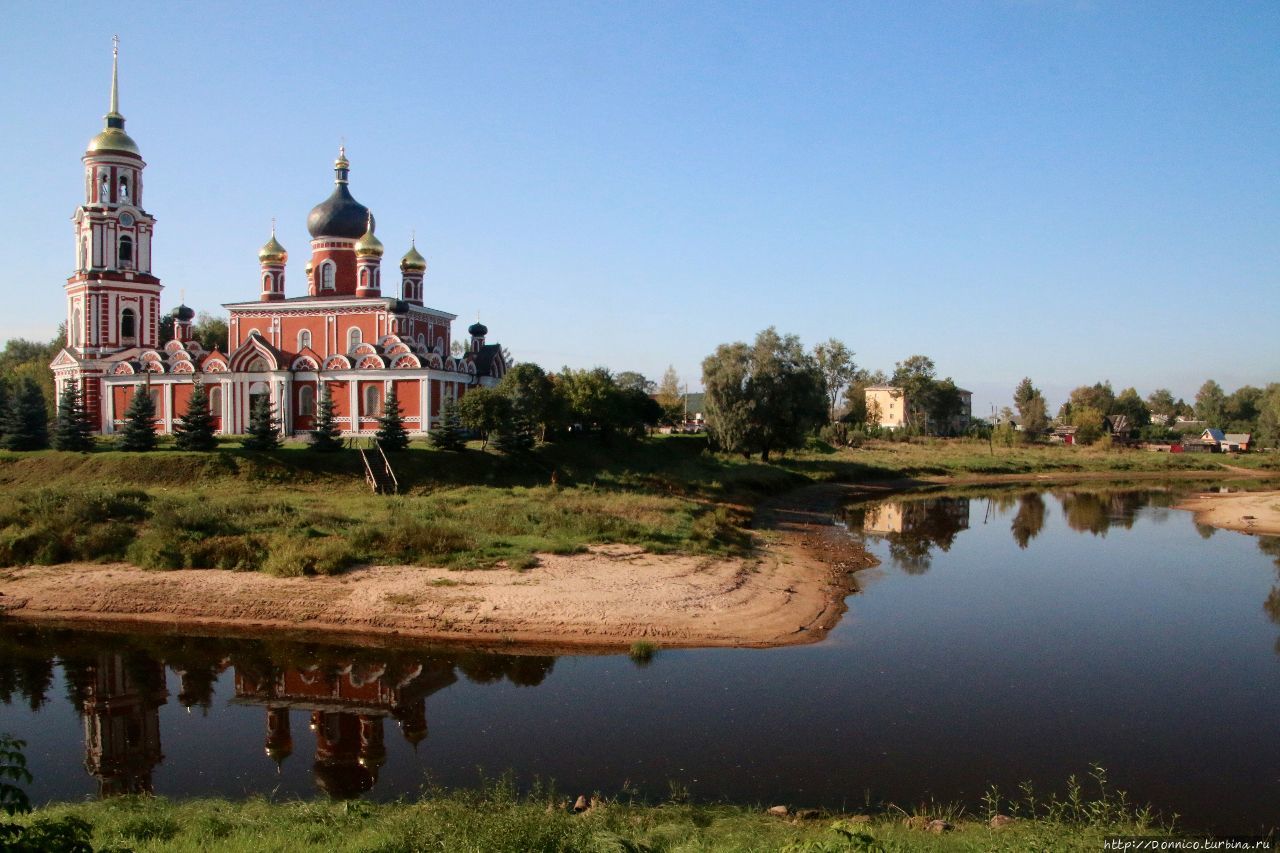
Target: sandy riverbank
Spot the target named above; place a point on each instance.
(1248, 512)
(792, 592)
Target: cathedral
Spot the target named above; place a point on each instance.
(343, 336)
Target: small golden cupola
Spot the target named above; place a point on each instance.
(272, 258)
(412, 269)
(369, 251)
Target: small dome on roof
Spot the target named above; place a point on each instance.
(339, 215)
(369, 245)
(413, 259)
(183, 313)
(273, 252)
(478, 329)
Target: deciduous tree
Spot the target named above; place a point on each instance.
(485, 411)
(835, 361)
(1210, 401)
(764, 397)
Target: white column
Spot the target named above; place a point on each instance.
(354, 388)
(224, 405)
(108, 401)
(168, 407)
(424, 400)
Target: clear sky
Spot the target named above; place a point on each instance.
(1073, 191)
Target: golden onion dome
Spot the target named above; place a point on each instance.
(113, 139)
(413, 259)
(369, 246)
(273, 252)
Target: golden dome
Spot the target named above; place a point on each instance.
(369, 245)
(113, 139)
(413, 260)
(273, 252)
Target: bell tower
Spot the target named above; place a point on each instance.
(113, 299)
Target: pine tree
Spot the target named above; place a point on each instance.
(448, 436)
(194, 430)
(25, 424)
(264, 432)
(72, 430)
(326, 436)
(4, 407)
(391, 432)
(514, 436)
(139, 432)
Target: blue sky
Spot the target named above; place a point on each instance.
(1073, 191)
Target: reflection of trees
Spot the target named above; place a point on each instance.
(1098, 512)
(914, 528)
(1029, 521)
(1270, 545)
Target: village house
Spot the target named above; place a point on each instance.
(889, 407)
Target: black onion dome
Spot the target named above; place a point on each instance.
(339, 215)
(478, 330)
(183, 313)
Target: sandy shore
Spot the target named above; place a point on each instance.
(1249, 512)
(791, 592)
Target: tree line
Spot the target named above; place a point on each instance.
(1157, 417)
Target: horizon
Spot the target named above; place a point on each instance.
(936, 177)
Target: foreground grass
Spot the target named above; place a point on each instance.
(292, 511)
(497, 819)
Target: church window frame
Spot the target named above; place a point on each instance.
(372, 401)
(326, 275)
(122, 189)
(124, 252)
(128, 325)
(76, 326)
(354, 338)
(306, 401)
(215, 401)
(304, 339)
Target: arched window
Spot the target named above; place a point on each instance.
(266, 282)
(124, 190)
(364, 278)
(353, 339)
(104, 189)
(440, 345)
(326, 276)
(304, 339)
(422, 340)
(306, 401)
(372, 401)
(128, 325)
(75, 327)
(215, 402)
(258, 365)
(126, 251)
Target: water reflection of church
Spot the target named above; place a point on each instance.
(347, 705)
(345, 699)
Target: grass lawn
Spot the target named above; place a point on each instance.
(294, 511)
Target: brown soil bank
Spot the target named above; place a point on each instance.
(791, 592)
(1249, 512)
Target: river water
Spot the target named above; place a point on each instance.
(1009, 635)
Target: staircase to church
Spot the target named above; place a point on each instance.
(377, 471)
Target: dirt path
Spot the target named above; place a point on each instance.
(791, 592)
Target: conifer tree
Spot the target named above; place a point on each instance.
(25, 424)
(514, 436)
(4, 407)
(391, 432)
(139, 432)
(194, 430)
(72, 430)
(448, 436)
(264, 431)
(326, 436)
